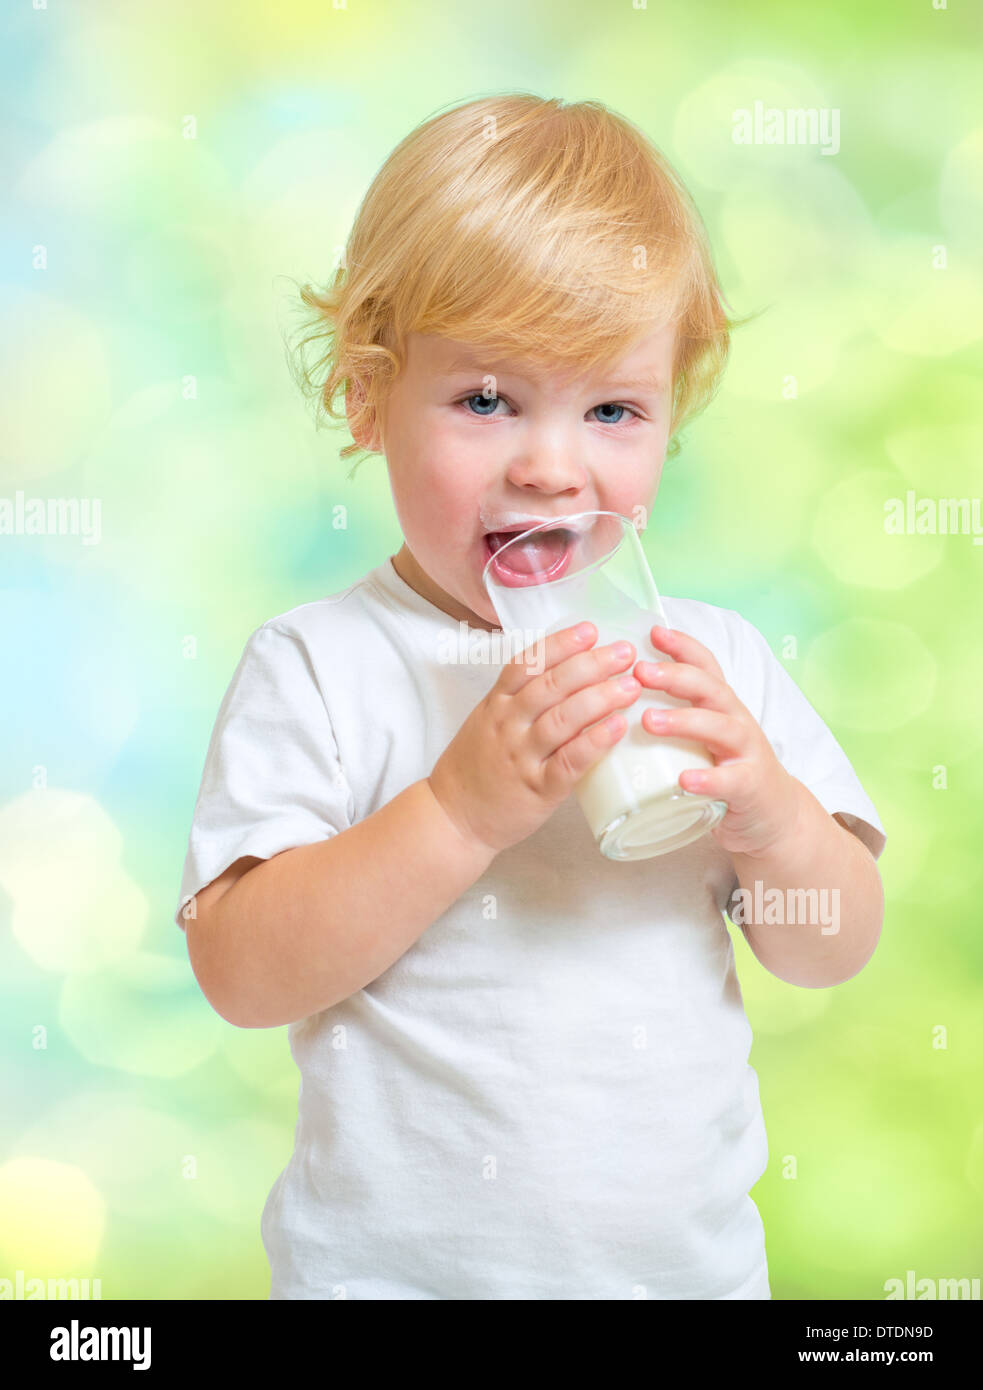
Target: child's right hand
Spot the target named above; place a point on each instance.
(524, 747)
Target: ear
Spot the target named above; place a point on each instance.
(368, 436)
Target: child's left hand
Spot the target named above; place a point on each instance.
(762, 800)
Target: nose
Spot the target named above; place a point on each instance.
(547, 461)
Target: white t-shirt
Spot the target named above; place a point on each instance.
(548, 1095)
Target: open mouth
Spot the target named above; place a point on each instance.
(542, 557)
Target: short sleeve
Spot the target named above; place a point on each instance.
(802, 742)
(272, 778)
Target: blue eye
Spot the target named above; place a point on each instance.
(490, 401)
(610, 405)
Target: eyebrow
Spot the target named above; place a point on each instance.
(631, 383)
(467, 365)
(625, 383)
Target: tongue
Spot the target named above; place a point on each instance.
(533, 556)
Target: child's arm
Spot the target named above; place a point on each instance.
(299, 932)
(276, 940)
(820, 856)
(812, 894)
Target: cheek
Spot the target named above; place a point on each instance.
(437, 481)
(456, 466)
(452, 499)
(636, 489)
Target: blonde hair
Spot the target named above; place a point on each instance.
(555, 234)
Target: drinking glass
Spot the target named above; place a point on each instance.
(591, 566)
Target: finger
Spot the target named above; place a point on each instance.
(688, 683)
(681, 647)
(730, 782)
(562, 722)
(562, 679)
(544, 652)
(724, 735)
(565, 767)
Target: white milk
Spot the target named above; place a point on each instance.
(631, 798)
(639, 776)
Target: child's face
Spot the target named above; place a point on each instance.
(533, 446)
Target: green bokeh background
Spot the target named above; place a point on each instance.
(170, 171)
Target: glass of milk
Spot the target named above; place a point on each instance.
(591, 566)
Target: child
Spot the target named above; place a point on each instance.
(523, 1065)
